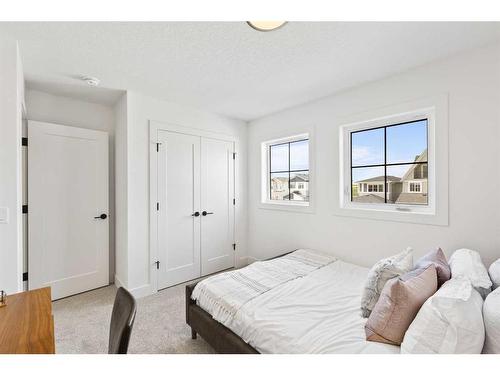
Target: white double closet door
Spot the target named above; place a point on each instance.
(195, 206)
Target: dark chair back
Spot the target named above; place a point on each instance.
(122, 321)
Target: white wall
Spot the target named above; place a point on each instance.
(62, 110)
(140, 109)
(472, 81)
(11, 98)
(121, 192)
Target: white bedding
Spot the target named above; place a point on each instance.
(319, 313)
(316, 313)
(224, 294)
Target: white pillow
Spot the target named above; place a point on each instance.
(384, 270)
(494, 272)
(467, 263)
(449, 322)
(491, 314)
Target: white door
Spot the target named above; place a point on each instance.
(217, 194)
(67, 194)
(178, 231)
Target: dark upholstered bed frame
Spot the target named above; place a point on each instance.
(221, 338)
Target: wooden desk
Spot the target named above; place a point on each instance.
(27, 324)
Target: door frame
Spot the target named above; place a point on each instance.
(154, 127)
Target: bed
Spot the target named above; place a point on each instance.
(315, 310)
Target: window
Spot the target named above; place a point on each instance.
(394, 146)
(390, 155)
(415, 187)
(289, 170)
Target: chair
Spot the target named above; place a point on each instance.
(122, 321)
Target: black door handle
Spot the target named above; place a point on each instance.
(101, 216)
(205, 213)
(196, 214)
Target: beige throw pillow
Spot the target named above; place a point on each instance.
(380, 273)
(398, 305)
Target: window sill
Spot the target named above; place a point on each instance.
(405, 214)
(301, 207)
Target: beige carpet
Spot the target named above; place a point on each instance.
(82, 323)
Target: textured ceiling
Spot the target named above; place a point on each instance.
(227, 67)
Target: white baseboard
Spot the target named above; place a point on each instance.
(250, 259)
(242, 262)
(118, 282)
(141, 291)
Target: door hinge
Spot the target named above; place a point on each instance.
(234, 246)
(24, 141)
(158, 147)
(234, 201)
(25, 208)
(25, 276)
(157, 264)
(157, 206)
(234, 155)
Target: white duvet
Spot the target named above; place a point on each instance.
(224, 294)
(317, 313)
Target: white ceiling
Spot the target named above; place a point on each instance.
(228, 67)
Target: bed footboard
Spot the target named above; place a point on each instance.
(221, 338)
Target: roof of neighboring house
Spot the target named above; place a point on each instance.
(381, 179)
(369, 198)
(412, 198)
(296, 178)
(300, 178)
(283, 180)
(419, 158)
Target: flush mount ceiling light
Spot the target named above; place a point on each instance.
(91, 81)
(266, 25)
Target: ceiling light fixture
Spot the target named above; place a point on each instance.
(91, 81)
(266, 25)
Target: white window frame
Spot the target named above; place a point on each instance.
(287, 205)
(436, 211)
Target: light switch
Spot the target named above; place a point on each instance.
(4, 215)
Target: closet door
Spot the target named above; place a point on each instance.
(179, 200)
(217, 193)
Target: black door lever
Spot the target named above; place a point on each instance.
(205, 213)
(196, 214)
(101, 216)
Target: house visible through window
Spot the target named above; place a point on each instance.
(394, 156)
(289, 171)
